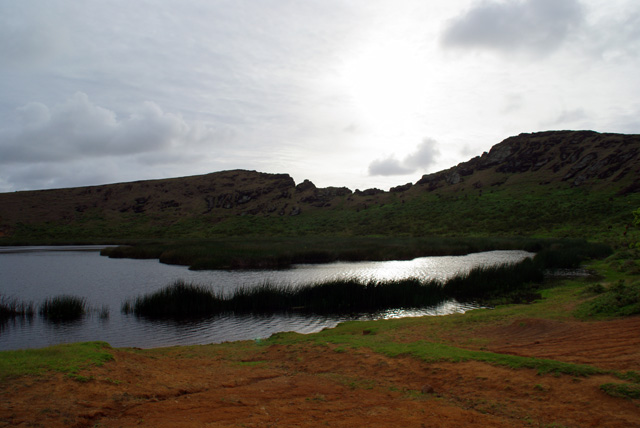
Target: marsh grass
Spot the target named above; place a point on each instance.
(516, 282)
(12, 308)
(349, 296)
(63, 308)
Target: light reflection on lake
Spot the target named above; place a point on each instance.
(34, 274)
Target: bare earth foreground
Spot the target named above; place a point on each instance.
(297, 385)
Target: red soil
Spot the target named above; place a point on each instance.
(308, 386)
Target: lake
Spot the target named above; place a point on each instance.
(33, 274)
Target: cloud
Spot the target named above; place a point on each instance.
(570, 116)
(424, 156)
(389, 166)
(26, 37)
(535, 27)
(80, 129)
(616, 35)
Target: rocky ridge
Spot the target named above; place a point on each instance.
(577, 158)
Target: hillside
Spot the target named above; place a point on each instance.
(541, 183)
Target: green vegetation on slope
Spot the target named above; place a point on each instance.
(67, 358)
(527, 210)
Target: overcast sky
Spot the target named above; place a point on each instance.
(356, 93)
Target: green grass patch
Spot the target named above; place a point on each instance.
(620, 299)
(68, 359)
(621, 390)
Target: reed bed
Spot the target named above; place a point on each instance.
(183, 300)
(63, 308)
(516, 281)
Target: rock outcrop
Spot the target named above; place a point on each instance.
(578, 158)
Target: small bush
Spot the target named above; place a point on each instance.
(595, 289)
(620, 299)
(63, 308)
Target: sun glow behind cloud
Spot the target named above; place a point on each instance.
(384, 81)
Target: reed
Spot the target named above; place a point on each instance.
(491, 281)
(63, 308)
(179, 300)
(11, 308)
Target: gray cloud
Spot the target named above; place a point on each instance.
(389, 166)
(570, 116)
(616, 36)
(527, 26)
(27, 38)
(423, 157)
(79, 128)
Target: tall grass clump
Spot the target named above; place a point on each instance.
(491, 281)
(63, 308)
(11, 308)
(179, 300)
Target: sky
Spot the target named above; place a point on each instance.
(355, 93)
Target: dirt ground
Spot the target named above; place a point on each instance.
(309, 386)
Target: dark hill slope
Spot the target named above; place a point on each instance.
(542, 183)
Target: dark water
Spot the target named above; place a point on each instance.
(36, 273)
